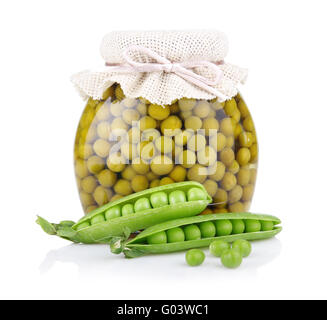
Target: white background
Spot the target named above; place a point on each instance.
(42, 43)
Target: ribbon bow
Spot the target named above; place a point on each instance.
(181, 69)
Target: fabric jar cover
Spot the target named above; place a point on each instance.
(173, 65)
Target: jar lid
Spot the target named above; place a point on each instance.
(162, 66)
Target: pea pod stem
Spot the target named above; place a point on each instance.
(62, 230)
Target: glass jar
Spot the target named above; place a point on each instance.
(126, 145)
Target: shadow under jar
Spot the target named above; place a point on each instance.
(125, 145)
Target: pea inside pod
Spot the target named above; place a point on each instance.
(136, 212)
(201, 231)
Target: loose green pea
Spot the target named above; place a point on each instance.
(217, 247)
(83, 225)
(252, 225)
(195, 194)
(157, 238)
(175, 235)
(238, 226)
(112, 213)
(192, 232)
(244, 247)
(142, 204)
(127, 209)
(97, 219)
(159, 199)
(231, 258)
(208, 229)
(194, 257)
(267, 225)
(224, 227)
(177, 197)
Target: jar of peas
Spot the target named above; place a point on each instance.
(165, 108)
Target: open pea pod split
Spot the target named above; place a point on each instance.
(133, 213)
(245, 226)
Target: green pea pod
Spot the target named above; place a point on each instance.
(106, 223)
(138, 246)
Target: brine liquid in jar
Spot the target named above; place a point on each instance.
(125, 145)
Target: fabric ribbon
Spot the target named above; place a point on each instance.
(181, 69)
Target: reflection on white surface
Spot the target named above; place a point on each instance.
(97, 260)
